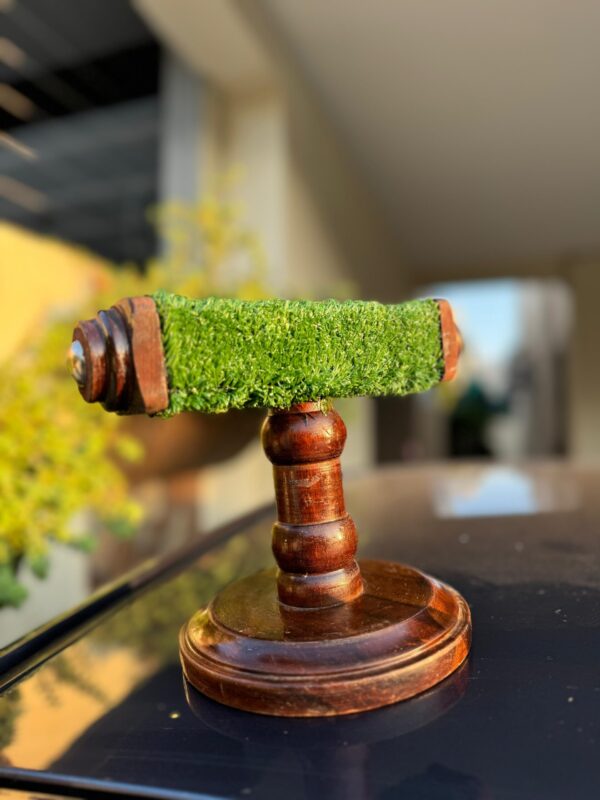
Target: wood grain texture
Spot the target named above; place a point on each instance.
(316, 636)
(452, 343)
(148, 358)
(402, 635)
(314, 538)
(124, 359)
(319, 635)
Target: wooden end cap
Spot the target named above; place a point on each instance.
(117, 358)
(452, 343)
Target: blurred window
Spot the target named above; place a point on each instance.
(509, 398)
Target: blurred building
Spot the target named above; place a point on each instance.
(80, 123)
(389, 146)
(509, 400)
(399, 144)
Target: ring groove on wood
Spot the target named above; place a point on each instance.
(124, 358)
(314, 539)
(320, 635)
(403, 635)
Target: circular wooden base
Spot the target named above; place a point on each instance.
(403, 635)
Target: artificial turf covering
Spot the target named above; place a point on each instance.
(223, 354)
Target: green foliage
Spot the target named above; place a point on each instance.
(56, 452)
(66, 668)
(11, 707)
(55, 460)
(11, 591)
(148, 623)
(206, 249)
(224, 353)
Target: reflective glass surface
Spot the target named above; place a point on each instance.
(520, 720)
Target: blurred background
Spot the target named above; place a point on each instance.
(386, 150)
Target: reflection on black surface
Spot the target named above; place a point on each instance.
(165, 728)
(438, 783)
(525, 700)
(330, 732)
(334, 751)
(521, 724)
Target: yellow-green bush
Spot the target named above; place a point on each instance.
(56, 451)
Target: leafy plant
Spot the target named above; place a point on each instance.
(55, 461)
(56, 453)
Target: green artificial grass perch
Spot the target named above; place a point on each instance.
(224, 353)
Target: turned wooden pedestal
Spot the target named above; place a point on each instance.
(321, 634)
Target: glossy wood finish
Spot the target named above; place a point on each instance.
(124, 359)
(404, 634)
(314, 637)
(321, 636)
(452, 343)
(314, 538)
(125, 362)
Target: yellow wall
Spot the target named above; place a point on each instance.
(40, 277)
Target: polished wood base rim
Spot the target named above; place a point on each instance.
(406, 633)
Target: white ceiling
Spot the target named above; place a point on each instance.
(478, 123)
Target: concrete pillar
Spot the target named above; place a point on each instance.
(181, 97)
(584, 375)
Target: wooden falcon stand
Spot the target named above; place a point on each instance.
(320, 634)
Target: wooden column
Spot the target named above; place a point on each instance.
(314, 538)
